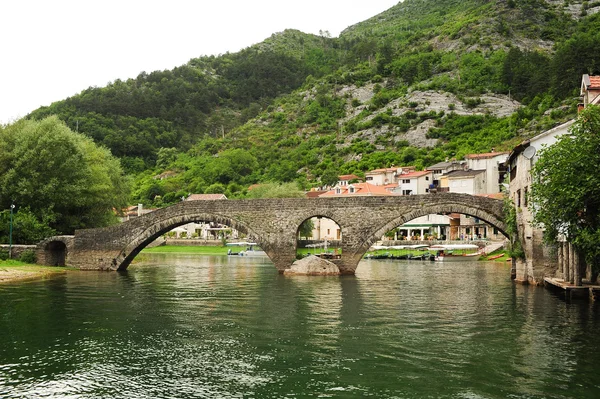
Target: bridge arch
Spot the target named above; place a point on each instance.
(54, 251)
(446, 208)
(166, 224)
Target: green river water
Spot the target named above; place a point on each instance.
(181, 326)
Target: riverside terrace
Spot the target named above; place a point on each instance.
(272, 223)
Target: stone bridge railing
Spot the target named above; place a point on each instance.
(273, 224)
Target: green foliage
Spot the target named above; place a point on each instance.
(27, 228)
(510, 216)
(28, 256)
(274, 190)
(566, 187)
(306, 228)
(63, 178)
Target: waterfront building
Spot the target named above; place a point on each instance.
(540, 260)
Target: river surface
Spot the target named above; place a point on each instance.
(181, 326)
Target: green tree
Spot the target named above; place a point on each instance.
(275, 190)
(329, 177)
(64, 179)
(566, 187)
(306, 228)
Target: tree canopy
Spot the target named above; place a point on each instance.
(566, 187)
(58, 177)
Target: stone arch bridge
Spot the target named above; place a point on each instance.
(272, 223)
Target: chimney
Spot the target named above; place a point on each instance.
(140, 208)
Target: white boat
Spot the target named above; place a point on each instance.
(455, 252)
(251, 249)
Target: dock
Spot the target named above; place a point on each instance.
(585, 290)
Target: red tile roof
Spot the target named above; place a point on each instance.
(205, 197)
(315, 194)
(348, 177)
(486, 155)
(382, 170)
(594, 82)
(413, 175)
(361, 190)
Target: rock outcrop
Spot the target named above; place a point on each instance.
(313, 266)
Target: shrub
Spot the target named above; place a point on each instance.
(28, 256)
(3, 254)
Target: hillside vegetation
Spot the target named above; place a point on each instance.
(425, 81)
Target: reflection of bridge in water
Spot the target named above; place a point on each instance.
(272, 223)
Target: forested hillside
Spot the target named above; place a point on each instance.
(422, 82)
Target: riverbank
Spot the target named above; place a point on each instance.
(13, 270)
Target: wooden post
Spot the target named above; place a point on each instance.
(561, 260)
(577, 269)
(572, 264)
(566, 262)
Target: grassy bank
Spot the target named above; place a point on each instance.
(14, 270)
(493, 256)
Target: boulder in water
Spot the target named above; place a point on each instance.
(313, 266)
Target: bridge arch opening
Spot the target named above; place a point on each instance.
(413, 226)
(218, 225)
(318, 235)
(55, 253)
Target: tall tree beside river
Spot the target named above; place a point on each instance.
(61, 177)
(566, 187)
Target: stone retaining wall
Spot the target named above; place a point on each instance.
(17, 250)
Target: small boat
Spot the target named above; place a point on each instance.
(455, 252)
(495, 257)
(251, 249)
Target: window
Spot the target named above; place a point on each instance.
(525, 196)
(427, 178)
(406, 181)
(518, 198)
(338, 190)
(351, 190)
(406, 192)
(369, 178)
(426, 190)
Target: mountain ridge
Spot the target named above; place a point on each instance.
(416, 84)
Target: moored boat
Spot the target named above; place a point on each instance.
(455, 252)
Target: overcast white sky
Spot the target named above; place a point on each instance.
(53, 49)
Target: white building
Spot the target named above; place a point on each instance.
(467, 181)
(493, 165)
(415, 183)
